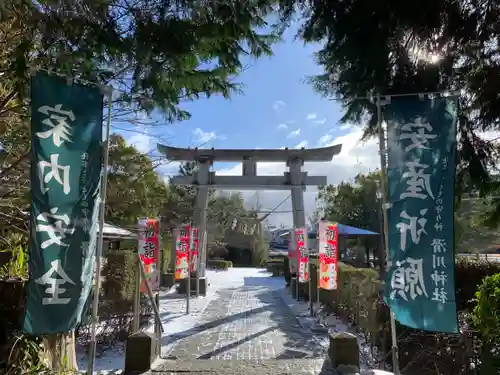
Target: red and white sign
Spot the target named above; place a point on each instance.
(302, 254)
(182, 239)
(149, 248)
(194, 250)
(328, 255)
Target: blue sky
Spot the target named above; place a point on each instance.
(277, 109)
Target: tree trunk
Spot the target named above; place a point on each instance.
(60, 352)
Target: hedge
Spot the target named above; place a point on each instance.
(117, 294)
(219, 264)
(119, 275)
(358, 300)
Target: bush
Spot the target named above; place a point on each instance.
(276, 266)
(117, 294)
(260, 251)
(486, 313)
(358, 300)
(219, 264)
(486, 320)
(119, 275)
(469, 275)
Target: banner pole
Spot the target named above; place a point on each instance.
(159, 259)
(318, 270)
(196, 264)
(383, 187)
(98, 254)
(309, 269)
(188, 291)
(297, 255)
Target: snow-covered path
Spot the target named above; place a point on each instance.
(245, 319)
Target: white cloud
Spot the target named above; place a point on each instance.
(356, 156)
(324, 140)
(168, 169)
(345, 126)
(319, 122)
(291, 121)
(142, 141)
(202, 136)
(294, 133)
(304, 144)
(278, 104)
(282, 126)
(311, 116)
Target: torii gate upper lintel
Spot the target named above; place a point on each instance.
(294, 180)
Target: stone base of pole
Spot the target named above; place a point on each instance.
(202, 288)
(140, 352)
(344, 352)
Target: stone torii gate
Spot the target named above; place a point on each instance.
(294, 180)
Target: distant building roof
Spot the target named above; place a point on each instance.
(112, 232)
(344, 231)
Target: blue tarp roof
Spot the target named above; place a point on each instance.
(345, 231)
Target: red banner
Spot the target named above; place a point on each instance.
(302, 254)
(194, 250)
(328, 255)
(149, 246)
(182, 252)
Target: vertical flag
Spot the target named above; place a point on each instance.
(302, 254)
(194, 250)
(181, 252)
(66, 167)
(420, 289)
(149, 245)
(328, 255)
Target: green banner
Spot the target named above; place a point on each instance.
(421, 144)
(66, 159)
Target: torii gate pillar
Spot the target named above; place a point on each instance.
(297, 189)
(295, 180)
(200, 217)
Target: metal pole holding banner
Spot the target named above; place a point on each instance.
(188, 291)
(201, 243)
(150, 292)
(159, 259)
(385, 206)
(100, 240)
(137, 300)
(311, 303)
(318, 270)
(158, 328)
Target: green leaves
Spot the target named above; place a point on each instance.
(160, 53)
(134, 188)
(388, 47)
(486, 319)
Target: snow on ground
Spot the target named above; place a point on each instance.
(175, 321)
(173, 315)
(330, 324)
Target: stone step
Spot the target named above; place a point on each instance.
(243, 367)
